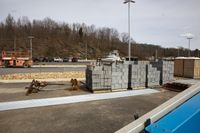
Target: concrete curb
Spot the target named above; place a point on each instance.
(29, 80)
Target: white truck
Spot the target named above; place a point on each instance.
(113, 56)
(57, 59)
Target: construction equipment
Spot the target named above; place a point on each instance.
(16, 59)
(0, 62)
(75, 84)
(37, 86)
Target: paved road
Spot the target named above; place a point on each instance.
(83, 62)
(43, 67)
(4, 71)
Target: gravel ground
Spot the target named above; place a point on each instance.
(43, 75)
(4, 71)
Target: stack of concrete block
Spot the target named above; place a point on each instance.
(119, 76)
(107, 76)
(141, 62)
(167, 72)
(138, 75)
(166, 69)
(88, 77)
(153, 76)
(106, 81)
(94, 77)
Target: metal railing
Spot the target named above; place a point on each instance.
(15, 54)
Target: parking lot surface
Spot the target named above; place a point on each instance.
(89, 117)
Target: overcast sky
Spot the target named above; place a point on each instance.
(159, 22)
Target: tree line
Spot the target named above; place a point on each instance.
(53, 39)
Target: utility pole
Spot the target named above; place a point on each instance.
(129, 27)
(31, 45)
(189, 38)
(14, 43)
(178, 52)
(156, 55)
(178, 49)
(86, 51)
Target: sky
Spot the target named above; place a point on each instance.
(159, 22)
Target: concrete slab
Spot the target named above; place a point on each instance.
(71, 99)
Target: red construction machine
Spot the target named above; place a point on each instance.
(16, 59)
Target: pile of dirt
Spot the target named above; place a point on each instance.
(43, 75)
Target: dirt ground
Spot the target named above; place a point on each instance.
(17, 91)
(103, 116)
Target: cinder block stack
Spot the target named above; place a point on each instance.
(153, 76)
(167, 73)
(138, 77)
(119, 76)
(107, 76)
(142, 62)
(94, 77)
(88, 77)
(166, 69)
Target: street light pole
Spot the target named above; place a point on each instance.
(189, 38)
(178, 52)
(86, 52)
(129, 27)
(178, 49)
(14, 43)
(31, 45)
